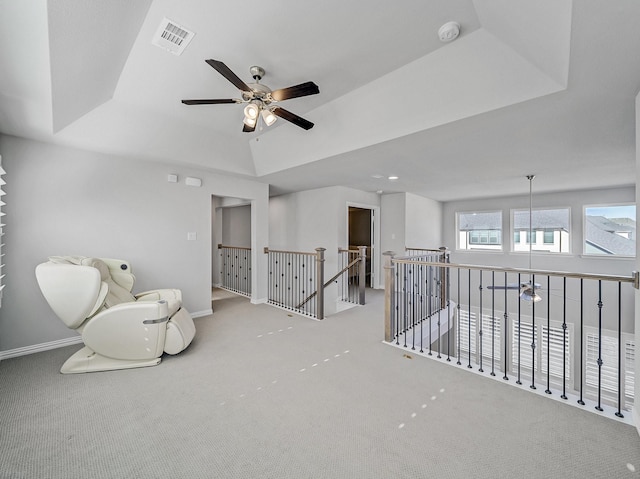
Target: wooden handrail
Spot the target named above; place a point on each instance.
(267, 250)
(329, 282)
(593, 276)
(220, 246)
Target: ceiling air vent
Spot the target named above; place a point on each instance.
(172, 37)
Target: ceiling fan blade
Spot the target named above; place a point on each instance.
(226, 72)
(304, 89)
(209, 102)
(293, 118)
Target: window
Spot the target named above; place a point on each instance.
(549, 230)
(479, 230)
(610, 230)
(552, 355)
(491, 338)
(608, 377)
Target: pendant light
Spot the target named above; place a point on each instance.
(528, 290)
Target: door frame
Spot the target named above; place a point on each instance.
(375, 239)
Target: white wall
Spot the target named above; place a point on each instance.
(423, 219)
(392, 213)
(574, 261)
(236, 226)
(310, 219)
(64, 201)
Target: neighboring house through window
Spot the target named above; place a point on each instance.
(480, 230)
(549, 228)
(610, 230)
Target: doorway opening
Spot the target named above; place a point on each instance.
(230, 248)
(361, 232)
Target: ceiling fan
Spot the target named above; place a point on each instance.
(260, 99)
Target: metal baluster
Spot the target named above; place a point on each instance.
(239, 270)
(620, 350)
(448, 279)
(519, 331)
(581, 401)
(600, 362)
(439, 307)
(279, 279)
(420, 282)
(493, 323)
(289, 276)
(274, 259)
(479, 324)
(533, 334)
(415, 305)
(397, 302)
(296, 285)
(404, 290)
(564, 338)
(469, 322)
(428, 295)
(505, 334)
(548, 390)
(458, 319)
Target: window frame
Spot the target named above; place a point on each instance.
(585, 254)
(535, 232)
(480, 247)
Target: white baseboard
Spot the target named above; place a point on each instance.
(199, 314)
(259, 301)
(61, 343)
(37, 348)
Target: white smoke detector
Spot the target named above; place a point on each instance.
(449, 32)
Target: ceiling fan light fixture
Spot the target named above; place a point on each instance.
(268, 117)
(250, 122)
(529, 294)
(251, 112)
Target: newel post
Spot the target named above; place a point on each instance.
(389, 288)
(320, 282)
(362, 273)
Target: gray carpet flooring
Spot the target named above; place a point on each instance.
(261, 393)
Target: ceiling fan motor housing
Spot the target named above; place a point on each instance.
(256, 72)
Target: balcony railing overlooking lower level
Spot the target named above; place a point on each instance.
(568, 335)
(235, 269)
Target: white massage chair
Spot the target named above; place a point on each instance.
(119, 330)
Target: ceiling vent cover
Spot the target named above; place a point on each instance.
(172, 37)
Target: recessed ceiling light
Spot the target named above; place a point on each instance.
(393, 177)
(377, 176)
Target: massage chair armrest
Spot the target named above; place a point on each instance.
(128, 330)
(160, 294)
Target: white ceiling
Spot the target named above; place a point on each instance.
(545, 87)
